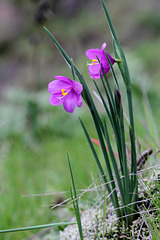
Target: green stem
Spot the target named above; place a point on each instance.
(133, 148)
(124, 160)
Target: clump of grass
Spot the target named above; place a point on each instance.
(95, 226)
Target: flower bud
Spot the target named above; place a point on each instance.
(118, 101)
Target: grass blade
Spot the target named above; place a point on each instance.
(115, 167)
(37, 227)
(113, 120)
(125, 72)
(113, 72)
(96, 157)
(75, 203)
(104, 213)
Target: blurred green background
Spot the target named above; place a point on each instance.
(35, 136)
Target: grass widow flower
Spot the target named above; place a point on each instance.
(95, 66)
(65, 91)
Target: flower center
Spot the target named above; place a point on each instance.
(94, 61)
(63, 92)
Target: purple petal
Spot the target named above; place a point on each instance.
(103, 46)
(56, 86)
(70, 102)
(92, 53)
(106, 69)
(111, 59)
(54, 100)
(64, 79)
(94, 69)
(104, 61)
(77, 87)
(95, 76)
(79, 102)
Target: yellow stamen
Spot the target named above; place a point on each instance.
(63, 92)
(94, 61)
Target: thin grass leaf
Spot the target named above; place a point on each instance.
(113, 72)
(125, 72)
(124, 160)
(108, 85)
(133, 146)
(154, 231)
(70, 63)
(117, 56)
(104, 212)
(78, 217)
(104, 103)
(75, 204)
(98, 144)
(96, 158)
(109, 92)
(114, 115)
(108, 166)
(64, 54)
(37, 227)
(113, 119)
(73, 71)
(115, 167)
(97, 233)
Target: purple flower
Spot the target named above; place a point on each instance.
(95, 66)
(65, 91)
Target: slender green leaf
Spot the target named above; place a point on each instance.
(104, 213)
(113, 119)
(117, 55)
(64, 54)
(125, 73)
(76, 207)
(108, 85)
(70, 63)
(97, 233)
(96, 159)
(113, 72)
(73, 71)
(37, 227)
(105, 105)
(115, 167)
(124, 160)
